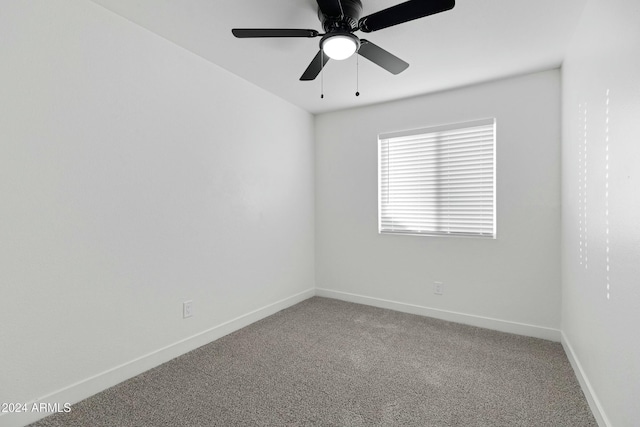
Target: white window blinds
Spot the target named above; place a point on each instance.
(438, 181)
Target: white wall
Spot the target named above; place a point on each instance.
(135, 175)
(601, 208)
(511, 283)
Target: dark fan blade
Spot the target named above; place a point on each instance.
(381, 57)
(243, 33)
(315, 67)
(330, 7)
(403, 12)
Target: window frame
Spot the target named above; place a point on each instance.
(432, 132)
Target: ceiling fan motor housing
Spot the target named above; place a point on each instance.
(347, 22)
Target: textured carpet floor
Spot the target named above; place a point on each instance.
(328, 362)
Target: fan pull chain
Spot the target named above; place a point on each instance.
(321, 74)
(357, 76)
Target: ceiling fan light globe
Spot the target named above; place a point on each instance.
(339, 47)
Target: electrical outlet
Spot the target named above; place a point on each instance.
(187, 309)
(438, 288)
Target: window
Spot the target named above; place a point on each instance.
(438, 181)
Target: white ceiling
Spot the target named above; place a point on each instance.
(479, 40)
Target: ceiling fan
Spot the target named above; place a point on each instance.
(340, 19)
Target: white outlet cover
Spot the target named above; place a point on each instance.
(438, 288)
(187, 309)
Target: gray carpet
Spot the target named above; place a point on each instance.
(329, 362)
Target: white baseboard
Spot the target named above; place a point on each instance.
(589, 393)
(78, 391)
(452, 316)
